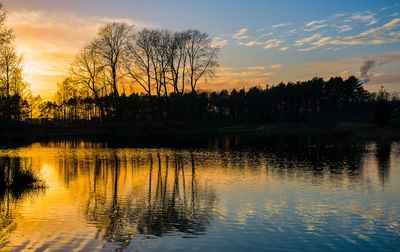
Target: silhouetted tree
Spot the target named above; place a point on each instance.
(86, 71)
(110, 45)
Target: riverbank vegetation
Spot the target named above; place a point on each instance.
(17, 177)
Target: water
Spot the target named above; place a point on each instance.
(227, 195)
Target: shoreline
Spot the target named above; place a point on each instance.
(130, 131)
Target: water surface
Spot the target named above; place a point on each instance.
(275, 196)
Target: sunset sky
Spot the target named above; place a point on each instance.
(261, 41)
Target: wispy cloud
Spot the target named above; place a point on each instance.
(266, 34)
(246, 74)
(224, 69)
(268, 74)
(291, 31)
(240, 34)
(272, 43)
(256, 68)
(344, 28)
(281, 25)
(367, 18)
(251, 43)
(284, 48)
(315, 22)
(219, 42)
(275, 66)
(303, 41)
(315, 27)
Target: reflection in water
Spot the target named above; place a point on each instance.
(150, 194)
(382, 154)
(234, 194)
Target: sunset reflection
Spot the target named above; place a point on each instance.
(98, 197)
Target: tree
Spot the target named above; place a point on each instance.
(202, 57)
(110, 45)
(6, 34)
(10, 76)
(138, 62)
(86, 71)
(177, 60)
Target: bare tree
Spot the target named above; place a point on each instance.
(202, 57)
(177, 60)
(138, 63)
(111, 44)
(86, 70)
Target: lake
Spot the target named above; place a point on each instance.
(227, 194)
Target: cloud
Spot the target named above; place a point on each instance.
(291, 31)
(256, 68)
(245, 74)
(260, 68)
(251, 43)
(275, 66)
(272, 43)
(370, 63)
(284, 48)
(355, 62)
(254, 72)
(339, 15)
(381, 79)
(315, 27)
(219, 42)
(312, 23)
(344, 28)
(223, 69)
(303, 41)
(268, 74)
(266, 34)
(307, 49)
(281, 25)
(368, 18)
(240, 34)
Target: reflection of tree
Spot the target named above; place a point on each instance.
(144, 194)
(7, 217)
(179, 210)
(17, 182)
(383, 158)
(315, 158)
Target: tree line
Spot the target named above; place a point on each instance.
(330, 100)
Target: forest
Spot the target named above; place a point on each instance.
(129, 75)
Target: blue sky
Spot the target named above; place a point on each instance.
(261, 41)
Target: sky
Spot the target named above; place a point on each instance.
(262, 42)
